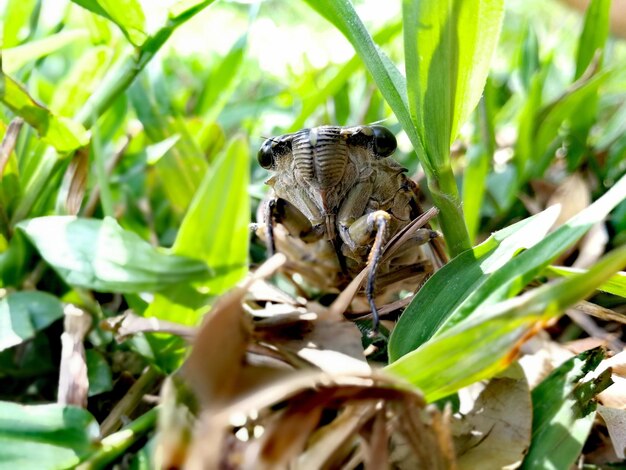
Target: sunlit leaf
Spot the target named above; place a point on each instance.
(17, 17)
(16, 57)
(127, 14)
(22, 314)
(458, 279)
(54, 436)
(100, 255)
(448, 49)
(489, 341)
(563, 412)
(440, 304)
(616, 285)
(594, 35)
(63, 134)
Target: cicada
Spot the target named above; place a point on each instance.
(340, 204)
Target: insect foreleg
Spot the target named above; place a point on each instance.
(379, 221)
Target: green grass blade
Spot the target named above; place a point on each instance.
(616, 285)
(438, 306)
(17, 16)
(594, 35)
(100, 255)
(392, 85)
(63, 435)
(448, 49)
(564, 411)
(127, 15)
(457, 280)
(488, 342)
(16, 57)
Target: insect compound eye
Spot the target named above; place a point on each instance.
(265, 157)
(271, 150)
(384, 143)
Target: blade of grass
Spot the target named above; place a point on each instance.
(616, 285)
(437, 307)
(448, 47)
(488, 342)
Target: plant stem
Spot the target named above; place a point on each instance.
(116, 444)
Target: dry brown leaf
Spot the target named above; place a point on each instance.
(616, 424)
(77, 174)
(8, 142)
(592, 246)
(377, 453)
(333, 441)
(73, 381)
(541, 356)
(573, 195)
(496, 433)
(220, 346)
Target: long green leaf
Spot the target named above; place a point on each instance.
(448, 48)
(456, 281)
(126, 14)
(564, 409)
(616, 285)
(100, 255)
(441, 306)
(594, 35)
(488, 342)
(16, 57)
(45, 436)
(63, 134)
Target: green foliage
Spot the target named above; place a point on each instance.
(52, 435)
(130, 185)
(564, 410)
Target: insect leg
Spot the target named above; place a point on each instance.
(379, 220)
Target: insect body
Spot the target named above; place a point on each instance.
(337, 199)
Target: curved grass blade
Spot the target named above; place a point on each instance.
(489, 341)
(443, 303)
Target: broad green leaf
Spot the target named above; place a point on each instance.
(448, 48)
(50, 436)
(594, 35)
(489, 341)
(529, 61)
(63, 134)
(126, 14)
(22, 314)
(616, 285)
(445, 303)
(16, 57)
(215, 228)
(100, 255)
(458, 279)
(564, 409)
(17, 16)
